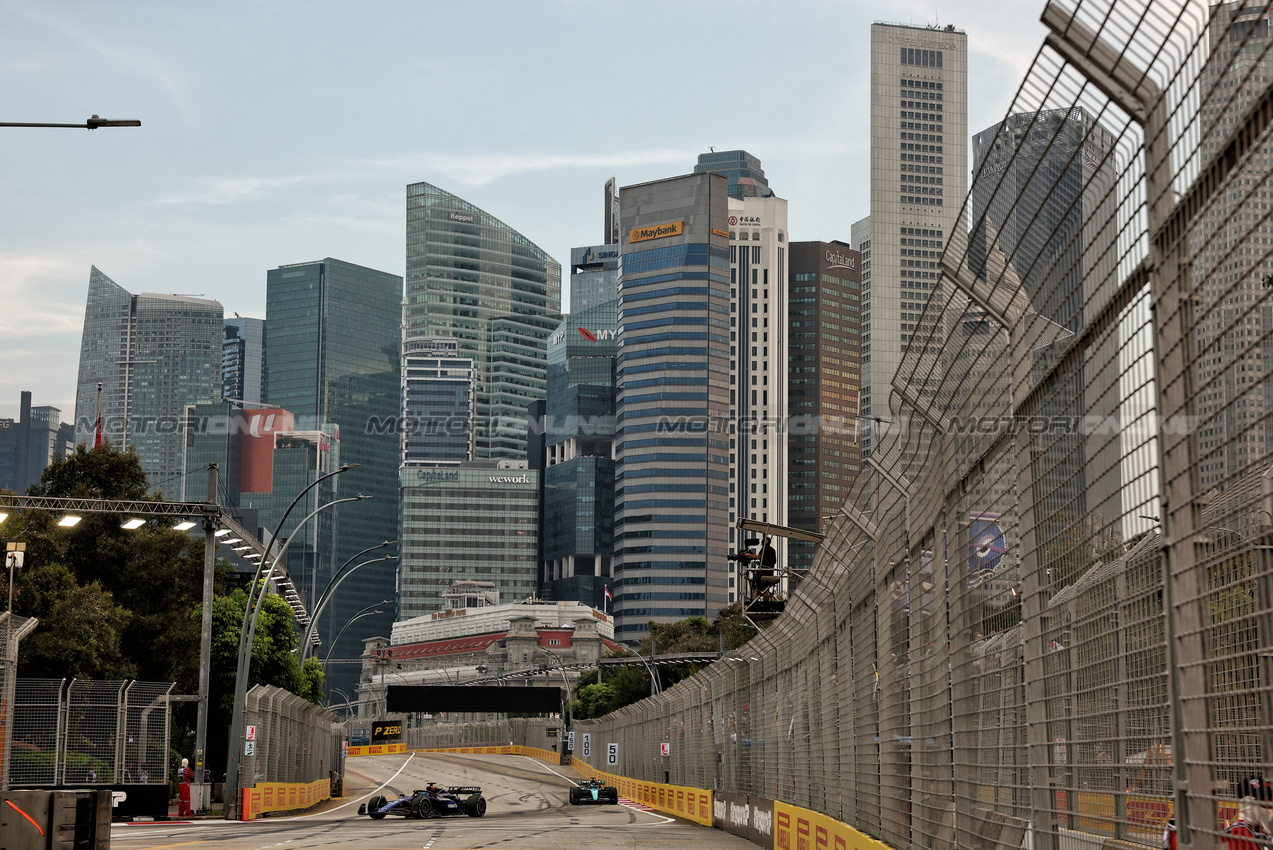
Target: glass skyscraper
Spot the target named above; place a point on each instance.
(153, 355)
(676, 338)
(476, 521)
(437, 402)
(579, 436)
(243, 360)
(334, 341)
(473, 278)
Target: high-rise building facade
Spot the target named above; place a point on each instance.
(825, 381)
(579, 424)
(476, 521)
(333, 333)
(742, 170)
(153, 355)
(676, 339)
(243, 361)
(1235, 356)
(758, 465)
(919, 177)
(473, 278)
(594, 276)
(437, 402)
(28, 444)
(1043, 200)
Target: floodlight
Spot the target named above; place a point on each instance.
(232, 540)
(68, 521)
(221, 532)
(133, 523)
(184, 526)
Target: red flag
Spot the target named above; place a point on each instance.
(609, 595)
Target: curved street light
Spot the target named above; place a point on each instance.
(366, 612)
(337, 577)
(570, 697)
(245, 653)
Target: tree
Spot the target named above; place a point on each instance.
(136, 587)
(625, 685)
(593, 701)
(80, 626)
(1076, 545)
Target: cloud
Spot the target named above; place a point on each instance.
(220, 191)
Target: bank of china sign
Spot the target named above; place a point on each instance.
(656, 231)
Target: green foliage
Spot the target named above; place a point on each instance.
(593, 701)
(622, 686)
(1076, 545)
(273, 660)
(134, 586)
(79, 631)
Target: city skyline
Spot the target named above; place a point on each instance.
(217, 186)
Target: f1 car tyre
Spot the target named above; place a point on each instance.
(574, 797)
(422, 807)
(373, 808)
(475, 806)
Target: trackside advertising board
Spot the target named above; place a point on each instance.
(745, 816)
(283, 797)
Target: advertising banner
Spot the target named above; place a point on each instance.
(745, 816)
(801, 829)
(283, 797)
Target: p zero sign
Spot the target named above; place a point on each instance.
(656, 231)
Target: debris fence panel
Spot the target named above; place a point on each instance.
(293, 740)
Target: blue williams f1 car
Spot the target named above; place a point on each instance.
(431, 801)
(593, 791)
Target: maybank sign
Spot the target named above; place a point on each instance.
(656, 231)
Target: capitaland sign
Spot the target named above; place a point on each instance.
(836, 260)
(436, 475)
(656, 231)
(465, 218)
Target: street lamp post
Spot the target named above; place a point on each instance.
(245, 647)
(570, 697)
(366, 612)
(332, 584)
(91, 124)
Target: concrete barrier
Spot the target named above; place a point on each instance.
(55, 820)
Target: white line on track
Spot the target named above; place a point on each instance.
(200, 825)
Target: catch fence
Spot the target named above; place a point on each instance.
(79, 732)
(293, 740)
(1046, 612)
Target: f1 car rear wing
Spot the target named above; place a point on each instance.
(464, 789)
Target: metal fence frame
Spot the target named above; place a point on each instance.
(296, 741)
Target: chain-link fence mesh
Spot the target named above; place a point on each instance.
(76, 732)
(294, 741)
(12, 630)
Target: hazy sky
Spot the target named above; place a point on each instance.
(283, 132)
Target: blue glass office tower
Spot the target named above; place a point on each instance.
(437, 402)
(333, 333)
(578, 529)
(473, 278)
(672, 445)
